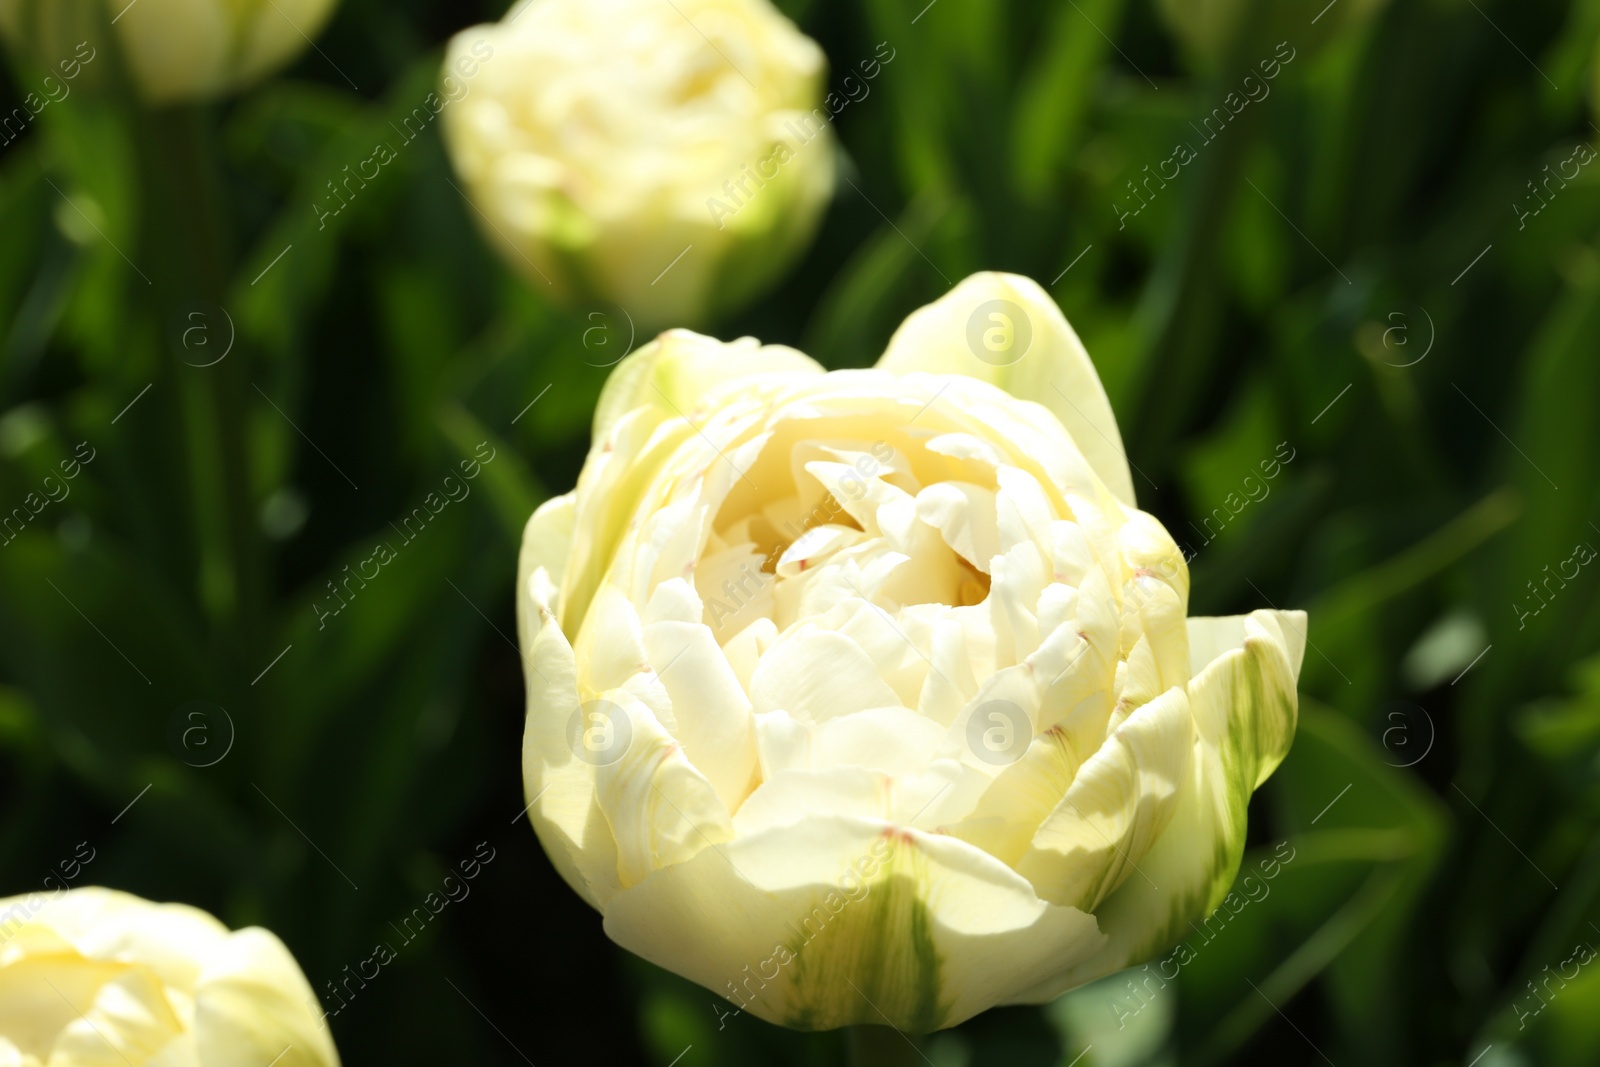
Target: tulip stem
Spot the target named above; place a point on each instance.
(190, 260)
(881, 1046)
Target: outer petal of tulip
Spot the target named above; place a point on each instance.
(1245, 706)
(191, 49)
(560, 787)
(1004, 329)
(836, 921)
(253, 1004)
(675, 373)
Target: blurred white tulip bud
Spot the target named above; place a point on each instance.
(174, 50)
(673, 159)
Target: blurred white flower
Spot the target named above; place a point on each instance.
(94, 978)
(667, 157)
(174, 49)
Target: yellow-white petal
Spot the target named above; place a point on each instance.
(559, 784)
(1028, 348)
(817, 674)
(835, 921)
(674, 373)
(1211, 637)
(715, 726)
(106, 924)
(1021, 797)
(547, 541)
(254, 1004)
(1119, 802)
(1245, 706)
(130, 1021)
(41, 995)
(661, 809)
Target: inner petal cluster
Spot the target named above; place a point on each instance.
(892, 604)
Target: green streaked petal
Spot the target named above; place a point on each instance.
(1245, 706)
(836, 921)
(1211, 637)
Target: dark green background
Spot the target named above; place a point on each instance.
(1317, 244)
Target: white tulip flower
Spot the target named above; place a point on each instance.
(870, 695)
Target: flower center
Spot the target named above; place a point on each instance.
(845, 519)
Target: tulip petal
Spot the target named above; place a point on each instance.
(41, 994)
(938, 792)
(107, 924)
(1245, 706)
(547, 540)
(129, 1022)
(817, 674)
(11, 1056)
(1036, 356)
(559, 785)
(895, 740)
(674, 373)
(964, 515)
(1021, 797)
(1119, 802)
(834, 921)
(710, 707)
(254, 1004)
(98, 978)
(662, 810)
(615, 480)
(1212, 637)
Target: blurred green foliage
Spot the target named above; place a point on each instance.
(1351, 271)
